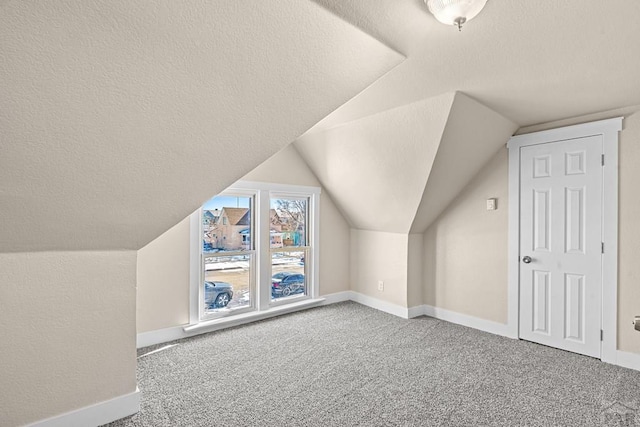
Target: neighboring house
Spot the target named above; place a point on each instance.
(209, 216)
(275, 238)
(231, 229)
(287, 229)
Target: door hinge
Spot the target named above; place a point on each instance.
(601, 335)
(602, 247)
(603, 160)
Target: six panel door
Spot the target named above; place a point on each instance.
(560, 244)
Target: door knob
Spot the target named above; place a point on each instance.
(526, 259)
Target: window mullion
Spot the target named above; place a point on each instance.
(263, 254)
(291, 261)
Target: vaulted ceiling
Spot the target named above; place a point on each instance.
(397, 170)
(118, 118)
(530, 61)
(396, 155)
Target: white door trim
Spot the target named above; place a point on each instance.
(608, 129)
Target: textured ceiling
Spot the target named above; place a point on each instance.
(397, 170)
(119, 118)
(530, 61)
(517, 64)
(470, 139)
(376, 168)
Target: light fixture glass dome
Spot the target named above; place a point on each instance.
(455, 12)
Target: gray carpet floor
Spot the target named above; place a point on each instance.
(350, 365)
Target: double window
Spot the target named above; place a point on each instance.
(257, 247)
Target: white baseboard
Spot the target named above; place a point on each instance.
(159, 336)
(463, 319)
(385, 306)
(96, 415)
(336, 297)
(418, 310)
(145, 339)
(628, 360)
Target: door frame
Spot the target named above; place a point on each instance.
(608, 130)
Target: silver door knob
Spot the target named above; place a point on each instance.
(526, 259)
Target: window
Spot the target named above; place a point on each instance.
(289, 250)
(256, 248)
(227, 263)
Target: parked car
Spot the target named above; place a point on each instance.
(286, 283)
(217, 294)
(281, 275)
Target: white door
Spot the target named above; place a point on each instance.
(561, 244)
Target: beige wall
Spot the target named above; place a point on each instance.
(288, 167)
(378, 255)
(78, 346)
(163, 265)
(465, 268)
(629, 234)
(415, 270)
(464, 260)
(163, 280)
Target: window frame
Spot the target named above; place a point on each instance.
(274, 302)
(252, 253)
(261, 301)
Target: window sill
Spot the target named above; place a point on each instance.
(241, 319)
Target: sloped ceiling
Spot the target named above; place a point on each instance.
(396, 171)
(519, 63)
(376, 168)
(530, 61)
(471, 138)
(118, 118)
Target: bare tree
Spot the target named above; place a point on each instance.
(293, 215)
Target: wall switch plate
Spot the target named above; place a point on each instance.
(380, 285)
(492, 204)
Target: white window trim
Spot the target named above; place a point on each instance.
(253, 195)
(262, 304)
(608, 129)
(309, 240)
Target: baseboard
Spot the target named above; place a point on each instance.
(145, 339)
(464, 320)
(336, 297)
(418, 310)
(385, 306)
(96, 415)
(628, 360)
(161, 336)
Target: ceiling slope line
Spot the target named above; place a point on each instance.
(472, 136)
(426, 181)
(157, 112)
(375, 168)
(379, 38)
(318, 127)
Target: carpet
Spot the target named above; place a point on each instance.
(349, 365)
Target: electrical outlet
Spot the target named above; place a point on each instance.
(380, 285)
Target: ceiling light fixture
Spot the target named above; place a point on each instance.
(455, 12)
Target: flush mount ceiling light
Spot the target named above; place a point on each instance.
(455, 12)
